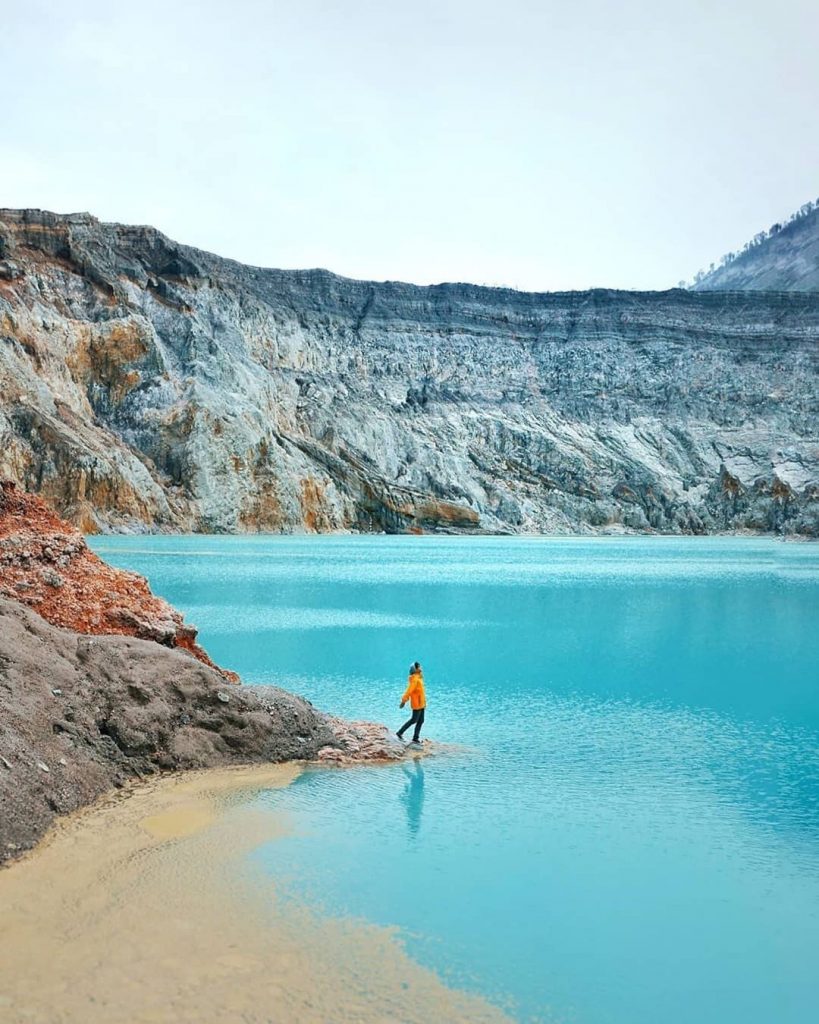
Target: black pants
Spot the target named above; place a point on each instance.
(417, 720)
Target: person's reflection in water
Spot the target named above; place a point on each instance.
(413, 796)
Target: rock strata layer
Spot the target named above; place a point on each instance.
(148, 385)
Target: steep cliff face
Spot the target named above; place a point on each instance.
(784, 258)
(145, 384)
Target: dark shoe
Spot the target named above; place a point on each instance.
(418, 742)
(400, 737)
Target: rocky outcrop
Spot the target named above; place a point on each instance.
(783, 258)
(356, 742)
(122, 689)
(148, 385)
(79, 714)
(46, 564)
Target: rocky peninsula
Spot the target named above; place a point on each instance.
(102, 682)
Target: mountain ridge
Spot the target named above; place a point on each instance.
(783, 258)
(152, 385)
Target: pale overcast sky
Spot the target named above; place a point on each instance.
(544, 145)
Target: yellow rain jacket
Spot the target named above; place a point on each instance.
(415, 692)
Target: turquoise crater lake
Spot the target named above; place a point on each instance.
(635, 837)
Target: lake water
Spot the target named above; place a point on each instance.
(635, 836)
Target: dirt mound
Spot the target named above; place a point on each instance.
(79, 714)
(46, 564)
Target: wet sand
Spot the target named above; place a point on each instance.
(143, 909)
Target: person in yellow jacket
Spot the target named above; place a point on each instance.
(417, 697)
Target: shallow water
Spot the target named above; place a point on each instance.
(145, 909)
(635, 837)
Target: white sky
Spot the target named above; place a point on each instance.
(544, 145)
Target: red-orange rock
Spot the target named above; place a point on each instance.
(46, 564)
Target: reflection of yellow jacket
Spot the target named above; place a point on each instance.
(415, 692)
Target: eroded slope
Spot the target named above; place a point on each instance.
(144, 384)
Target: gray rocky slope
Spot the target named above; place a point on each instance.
(784, 258)
(145, 384)
(80, 714)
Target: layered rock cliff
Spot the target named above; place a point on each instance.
(148, 385)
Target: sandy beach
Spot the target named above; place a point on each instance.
(144, 908)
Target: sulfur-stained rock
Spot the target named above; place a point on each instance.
(86, 595)
(148, 385)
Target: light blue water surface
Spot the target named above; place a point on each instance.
(635, 838)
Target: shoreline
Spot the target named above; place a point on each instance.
(81, 715)
(146, 909)
(740, 534)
